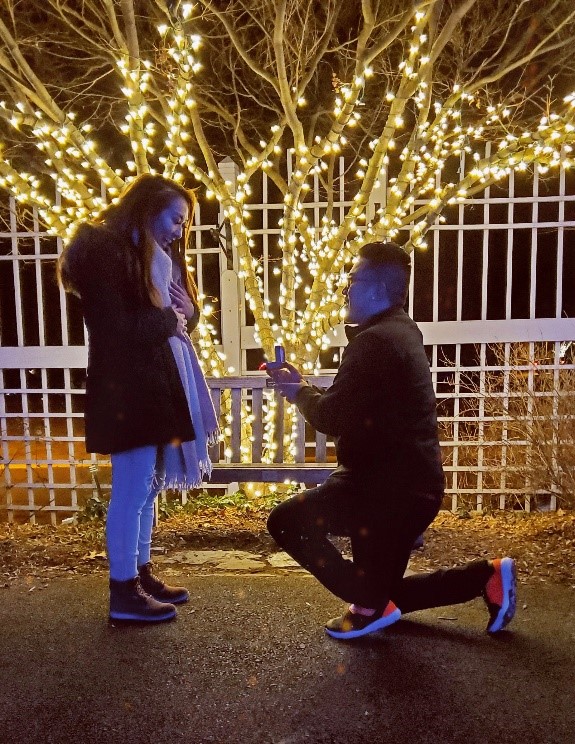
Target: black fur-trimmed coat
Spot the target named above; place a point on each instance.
(134, 395)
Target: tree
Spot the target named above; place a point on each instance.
(396, 89)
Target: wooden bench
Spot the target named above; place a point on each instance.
(314, 456)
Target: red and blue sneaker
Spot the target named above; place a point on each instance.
(353, 625)
(500, 594)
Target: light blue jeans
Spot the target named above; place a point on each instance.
(137, 476)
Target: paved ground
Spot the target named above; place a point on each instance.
(247, 661)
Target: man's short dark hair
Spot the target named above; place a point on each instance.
(395, 265)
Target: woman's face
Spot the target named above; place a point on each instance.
(168, 225)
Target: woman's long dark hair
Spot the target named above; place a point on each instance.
(131, 217)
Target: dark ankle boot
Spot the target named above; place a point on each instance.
(160, 591)
(128, 601)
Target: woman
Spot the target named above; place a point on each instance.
(147, 403)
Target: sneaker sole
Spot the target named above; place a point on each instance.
(133, 617)
(382, 622)
(507, 611)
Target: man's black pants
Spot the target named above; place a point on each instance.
(382, 524)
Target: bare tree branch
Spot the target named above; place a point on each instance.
(285, 88)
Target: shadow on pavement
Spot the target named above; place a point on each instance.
(247, 661)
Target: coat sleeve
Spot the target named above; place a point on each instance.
(110, 305)
(348, 400)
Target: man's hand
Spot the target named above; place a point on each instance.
(287, 381)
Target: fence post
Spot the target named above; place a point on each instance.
(378, 196)
(230, 283)
(230, 304)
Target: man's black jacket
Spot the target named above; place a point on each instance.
(381, 407)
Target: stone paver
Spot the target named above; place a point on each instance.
(229, 560)
(283, 560)
(223, 560)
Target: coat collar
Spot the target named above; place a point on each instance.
(351, 331)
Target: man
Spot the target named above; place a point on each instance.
(389, 483)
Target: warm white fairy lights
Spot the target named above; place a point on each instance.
(420, 137)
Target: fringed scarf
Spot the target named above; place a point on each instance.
(188, 463)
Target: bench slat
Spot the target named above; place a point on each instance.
(279, 426)
(214, 450)
(300, 438)
(320, 447)
(236, 424)
(270, 473)
(257, 424)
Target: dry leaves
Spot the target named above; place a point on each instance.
(542, 544)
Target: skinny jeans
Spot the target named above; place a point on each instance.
(137, 477)
(382, 523)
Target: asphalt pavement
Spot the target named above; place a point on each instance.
(247, 661)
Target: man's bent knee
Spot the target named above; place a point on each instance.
(283, 518)
(276, 520)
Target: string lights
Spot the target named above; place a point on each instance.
(419, 138)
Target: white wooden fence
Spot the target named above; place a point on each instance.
(501, 270)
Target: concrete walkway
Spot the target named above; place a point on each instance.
(247, 661)
(227, 560)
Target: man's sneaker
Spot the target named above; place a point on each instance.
(353, 625)
(128, 601)
(499, 594)
(158, 589)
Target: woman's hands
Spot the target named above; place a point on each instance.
(182, 326)
(181, 301)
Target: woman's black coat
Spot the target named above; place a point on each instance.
(134, 395)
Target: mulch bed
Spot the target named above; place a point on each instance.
(542, 544)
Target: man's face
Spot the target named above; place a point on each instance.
(365, 293)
